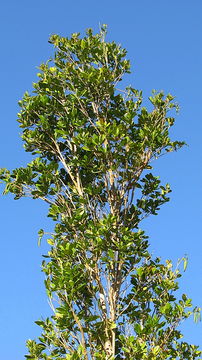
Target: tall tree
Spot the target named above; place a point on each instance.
(92, 147)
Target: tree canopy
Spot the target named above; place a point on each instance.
(93, 145)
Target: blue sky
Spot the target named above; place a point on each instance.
(164, 44)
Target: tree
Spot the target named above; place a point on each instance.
(92, 147)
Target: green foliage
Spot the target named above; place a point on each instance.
(92, 148)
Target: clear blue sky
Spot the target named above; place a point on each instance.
(163, 39)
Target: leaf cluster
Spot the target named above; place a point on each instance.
(92, 146)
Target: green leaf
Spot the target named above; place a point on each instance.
(185, 263)
(40, 235)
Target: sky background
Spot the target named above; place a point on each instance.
(164, 43)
